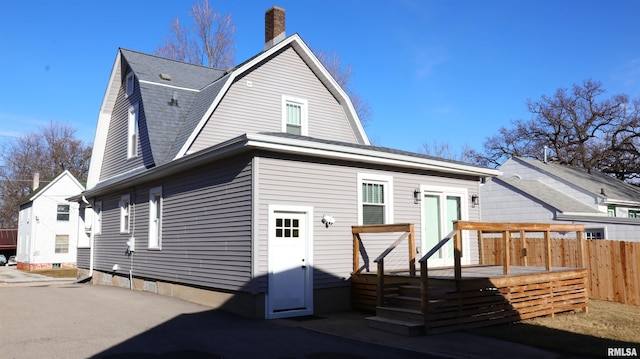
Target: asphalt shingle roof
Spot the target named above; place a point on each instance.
(548, 195)
(593, 182)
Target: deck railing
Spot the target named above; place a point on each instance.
(505, 229)
(408, 234)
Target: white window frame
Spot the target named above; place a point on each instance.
(133, 132)
(66, 213)
(129, 84)
(62, 247)
(97, 217)
(601, 230)
(125, 214)
(387, 182)
(155, 218)
(304, 113)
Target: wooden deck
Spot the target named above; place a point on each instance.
(445, 299)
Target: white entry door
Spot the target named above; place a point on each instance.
(439, 210)
(290, 272)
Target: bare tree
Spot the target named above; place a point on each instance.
(342, 74)
(209, 42)
(444, 150)
(49, 152)
(579, 128)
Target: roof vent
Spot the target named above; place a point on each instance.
(174, 99)
(602, 191)
(165, 77)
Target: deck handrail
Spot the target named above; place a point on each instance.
(391, 247)
(437, 247)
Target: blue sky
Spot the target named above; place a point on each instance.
(447, 71)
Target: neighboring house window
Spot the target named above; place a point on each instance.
(594, 233)
(125, 214)
(375, 199)
(129, 84)
(634, 214)
(294, 116)
(62, 243)
(611, 211)
(63, 212)
(132, 139)
(155, 218)
(97, 217)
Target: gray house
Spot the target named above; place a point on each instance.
(534, 191)
(238, 188)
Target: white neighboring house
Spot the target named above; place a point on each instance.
(535, 191)
(48, 227)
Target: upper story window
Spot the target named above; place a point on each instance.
(63, 212)
(125, 213)
(155, 218)
(375, 200)
(129, 84)
(611, 211)
(294, 116)
(634, 213)
(132, 138)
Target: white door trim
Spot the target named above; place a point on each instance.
(464, 214)
(307, 211)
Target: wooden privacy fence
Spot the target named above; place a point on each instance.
(614, 265)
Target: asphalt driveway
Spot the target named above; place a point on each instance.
(52, 319)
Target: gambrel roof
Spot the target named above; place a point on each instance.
(172, 126)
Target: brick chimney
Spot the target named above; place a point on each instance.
(36, 181)
(273, 27)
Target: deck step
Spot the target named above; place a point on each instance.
(402, 327)
(408, 315)
(401, 301)
(409, 290)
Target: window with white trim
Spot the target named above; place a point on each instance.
(375, 199)
(62, 243)
(125, 213)
(611, 211)
(129, 83)
(62, 212)
(633, 213)
(132, 136)
(97, 217)
(594, 233)
(294, 116)
(155, 218)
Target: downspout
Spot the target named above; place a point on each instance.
(91, 244)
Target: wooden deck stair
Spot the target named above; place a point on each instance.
(402, 313)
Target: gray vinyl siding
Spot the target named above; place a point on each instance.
(258, 108)
(331, 189)
(83, 258)
(502, 204)
(206, 229)
(115, 154)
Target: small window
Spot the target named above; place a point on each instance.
(132, 139)
(375, 199)
(155, 218)
(611, 211)
(594, 233)
(129, 84)
(294, 116)
(62, 243)
(125, 211)
(63, 212)
(287, 228)
(634, 213)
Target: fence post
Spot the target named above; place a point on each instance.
(547, 250)
(506, 236)
(523, 237)
(412, 251)
(380, 283)
(356, 252)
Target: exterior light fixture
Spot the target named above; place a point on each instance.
(416, 196)
(475, 200)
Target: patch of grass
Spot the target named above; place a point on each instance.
(607, 325)
(59, 273)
